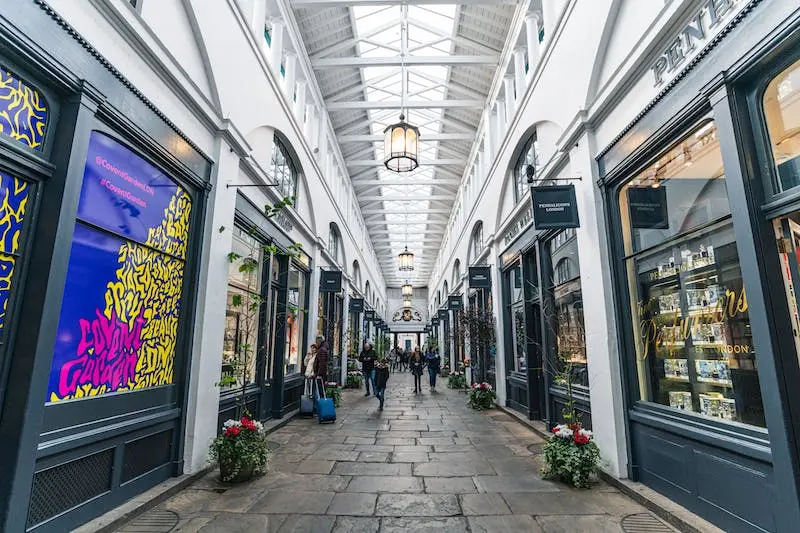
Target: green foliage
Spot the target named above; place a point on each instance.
(334, 392)
(354, 378)
(481, 397)
(241, 450)
(571, 463)
(456, 380)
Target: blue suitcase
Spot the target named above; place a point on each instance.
(326, 412)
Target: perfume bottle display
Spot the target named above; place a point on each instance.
(680, 400)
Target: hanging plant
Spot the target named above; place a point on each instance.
(571, 455)
(481, 396)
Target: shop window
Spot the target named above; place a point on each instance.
(476, 242)
(528, 157)
(284, 170)
(782, 111)
(243, 311)
(334, 241)
(516, 316)
(565, 315)
(12, 213)
(23, 111)
(295, 319)
(122, 299)
(456, 272)
(694, 348)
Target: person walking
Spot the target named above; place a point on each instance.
(416, 364)
(308, 369)
(433, 361)
(367, 359)
(381, 378)
(321, 360)
(403, 360)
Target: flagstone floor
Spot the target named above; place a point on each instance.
(426, 463)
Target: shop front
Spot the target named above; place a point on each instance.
(99, 258)
(265, 325)
(703, 205)
(331, 319)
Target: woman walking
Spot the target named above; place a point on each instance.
(416, 364)
(433, 361)
(381, 378)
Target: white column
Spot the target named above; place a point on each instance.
(494, 125)
(502, 126)
(209, 325)
(300, 103)
(276, 46)
(532, 33)
(511, 99)
(290, 67)
(322, 132)
(551, 10)
(259, 20)
(346, 340)
(488, 138)
(479, 165)
(308, 126)
(519, 72)
(603, 361)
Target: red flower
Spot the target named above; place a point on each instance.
(554, 430)
(248, 424)
(232, 431)
(581, 439)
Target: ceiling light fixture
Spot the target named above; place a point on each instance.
(401, 140)
(407, 290)
(407, 303)
(406, 260)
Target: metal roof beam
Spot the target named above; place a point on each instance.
(357, 3)
(434, 182)
(377, 163)
(409, 198)
(397, 61)
(413, 104)
(424, 138)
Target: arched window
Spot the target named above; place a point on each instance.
(476, 242)
(438, 299)
(564, 271)
(528, 156)
(366, 290)
(334, 241)
(284, 170)
(446, 290)
(456, 272)
(356, 275)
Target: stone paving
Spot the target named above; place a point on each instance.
(426, 463)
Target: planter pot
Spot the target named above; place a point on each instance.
(245, 474)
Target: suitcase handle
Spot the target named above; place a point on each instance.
(320, 386)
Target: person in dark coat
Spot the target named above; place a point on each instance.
(367, 359)
(321, 361)
(433, 361)
(381, 378)
(416, 363)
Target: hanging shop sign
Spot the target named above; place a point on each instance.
(435, 321)
(443, 314)
(706, 23)
(647, 207)
(554, 207)
(356, 305)
(480, 277)
(369, 316)
(122, 299)
(454, 303)
(330, 281)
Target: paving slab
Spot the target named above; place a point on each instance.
(398, 484)
(417, 505)
(356, 524)
(550, 503)
(292, 502)
(374, 457)
(424, 525)
(307, 524)
(449, 485)
(372, 469)
(595, 524)
(520, 483)
(508, 523)
(313, 466)
(409, 457)
(483, 504)
(353, 504)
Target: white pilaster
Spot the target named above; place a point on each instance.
(519, 72)
(259, 18)
(210, 317)
(488, 139)
(290, 68)
(308, 128)
(551, 9)
(605, 382)
(501, 120)
(322, 132)
(276, 46)
(532, 34)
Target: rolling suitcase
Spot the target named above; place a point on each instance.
(307, 405)
(326, 412)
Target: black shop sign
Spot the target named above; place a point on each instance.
(480, 277)
(554, 207)
(357, 305)
(454, 303)
(648, 207)
(443, 314)
(330, 281)
(369, 316)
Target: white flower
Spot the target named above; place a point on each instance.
(563, 431)
(259, 426)
(231, 423)
(585, 433)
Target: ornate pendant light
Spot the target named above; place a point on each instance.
(407, 290)
(406, 261)
(407, 303)
(401, 140)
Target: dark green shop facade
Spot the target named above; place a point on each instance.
(702, 198)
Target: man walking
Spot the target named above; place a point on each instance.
(367, 359)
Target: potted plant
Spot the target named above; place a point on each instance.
(481, 396)
(445, 370)
(241, 450)
(354, 379)
(456, 380)
(334, 392)
(571, 455)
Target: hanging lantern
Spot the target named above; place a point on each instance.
(401, 146)
(406, 260)
(407, 303)
(407, 290)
